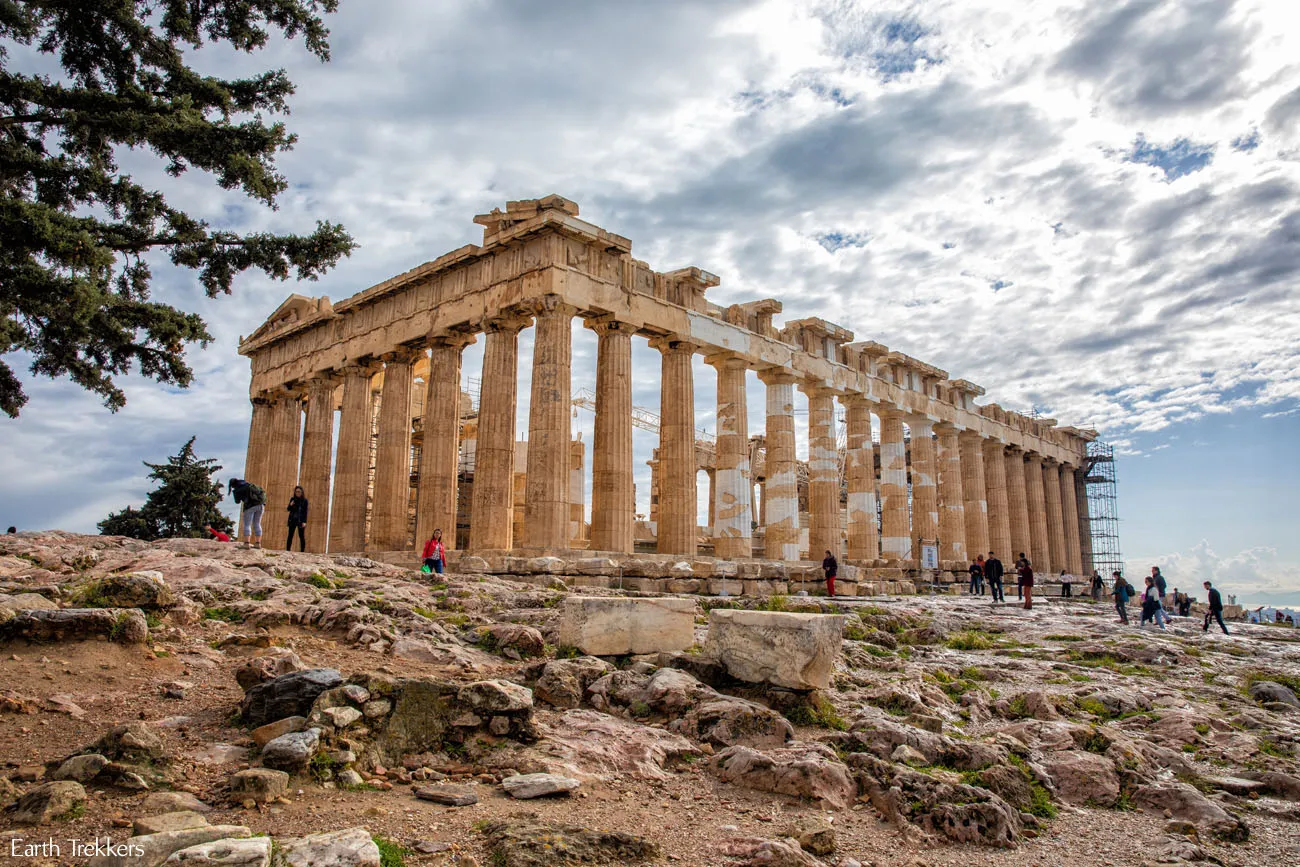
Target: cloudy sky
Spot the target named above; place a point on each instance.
(1089, 208)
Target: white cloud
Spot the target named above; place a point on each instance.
(978, 148)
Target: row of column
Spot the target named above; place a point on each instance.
(971, 495)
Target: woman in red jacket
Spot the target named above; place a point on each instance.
(435, 553)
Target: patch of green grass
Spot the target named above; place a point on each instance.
(855, 631)
(970, 639)
(1018, 707)
(775, 602)
(818, 712)
(567, 651)
(1270, 747)
(161, 654)
(710, 604)
(322, 766)
(391, 854)
(1201, 729)
(223, 613)
(118, 629)
(1259, 675)
(1125, 803)
(427, 613)
(1065, 637)
(316, 579)
(76, 812)
(639, 709)
(340, 574)
(153, 621)
(1096, 742)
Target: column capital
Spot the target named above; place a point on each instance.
(970, 435)
(674, 343)
(891, 411)
(509, 322)
(1033, 457)
(777, 376)
(454, 338)
(816, 389)
(608, 324)
(550, 305)
(401, 355)
(947, 427)
(323, 379)
(1012, 449)
(728, 360)
(853, 400)
(290, 391)
(361, 367)
(262, 398)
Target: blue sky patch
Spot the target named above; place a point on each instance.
(835, 241)
(1246, 143)
(1180, 157)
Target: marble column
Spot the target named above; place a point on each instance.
(925, 495)
(1055, 515)
(952, 507)
(546, 489)
(440, 454)
(677, 463)
(577, 495)
(1070, 520)
(282, 468)
(390, 520)
(1085, 522)
(258, 456)
(733, 512)
(823, 474)
(895, 524)
(613, 505)
(317, 455)
(974, 498)
(352, 462)
(1041, 554)
(780, 491)
(1018, 504)
(494, 471)
(995, 490)
(860, 478)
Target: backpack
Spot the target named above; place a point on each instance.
(256, 496)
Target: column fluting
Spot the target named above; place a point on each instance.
(952, 507)
(352, 462)
(492, 509)
(1017, 500)
(317, 455)
(677, 462)
(780, 491)
(390, 519)
(860, 478)
(974, 497)
(995, 488)
(1070, 519)
(823, 474)
(1055, 515)
(613, 506)
(732, 508)
(895, 523)
(546, 487)
(925, 494)
(436, 504)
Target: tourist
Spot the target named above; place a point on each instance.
(218, 536)
(993, 571)
(1121, 591)
(1158, 581)
(1216, 609)
(297, 519)
(435, 553)
(11, 531)
(1020, 588)
(1185, 606)
(253, 499)
(1097, 586)
(1151, 604)
(977, 576)
(831, 567)
(1066, 590)
(1025, 580)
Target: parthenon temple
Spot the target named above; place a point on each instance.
(921, 465)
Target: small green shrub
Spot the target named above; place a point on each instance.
(566, 651)
(316, 579)
(224, 613)
(775, 602)
(391, 854)
(971, 639)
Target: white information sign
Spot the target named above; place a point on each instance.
(929, 556)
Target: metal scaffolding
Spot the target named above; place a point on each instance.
(1103, 508)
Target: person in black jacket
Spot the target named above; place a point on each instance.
(297, 509)
(831, 567)
(993, 572)
(1216, 609)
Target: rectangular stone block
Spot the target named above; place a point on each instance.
(589, 580)
(684, 585)
(796, 651)
(603, 626)
(730, 585)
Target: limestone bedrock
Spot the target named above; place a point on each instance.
(602, 626)
(796, 651)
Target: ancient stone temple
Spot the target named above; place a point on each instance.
(920, 465)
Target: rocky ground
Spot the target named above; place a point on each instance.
(215, 705)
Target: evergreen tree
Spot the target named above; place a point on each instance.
(184, 504)
(77, 236)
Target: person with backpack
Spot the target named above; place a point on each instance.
(1216, 609)
(993, 571)
(1121, 591)
(831, 567)
(435, 553)
(297, 519)
(253, 499)
(977, 576)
